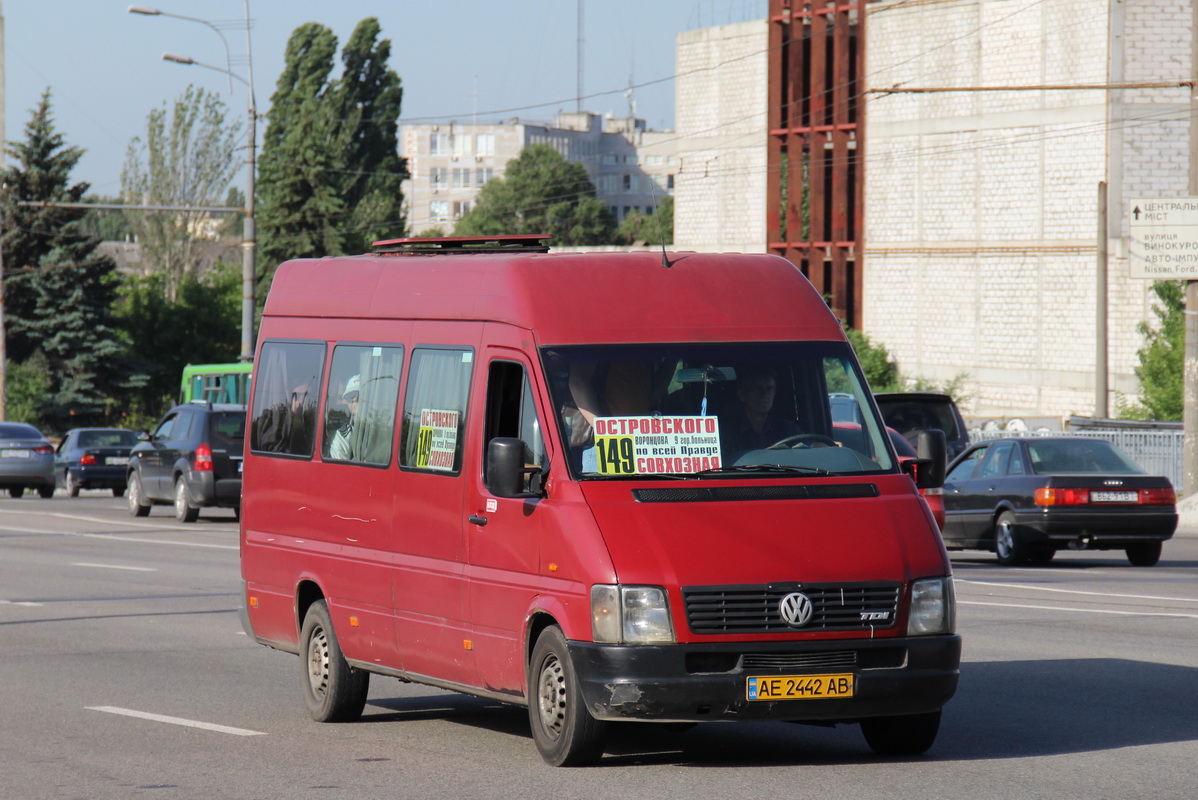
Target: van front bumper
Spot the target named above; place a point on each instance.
(693, 683)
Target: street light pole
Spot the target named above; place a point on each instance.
(249, 244)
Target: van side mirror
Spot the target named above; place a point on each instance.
(506, 474)
(932, 450)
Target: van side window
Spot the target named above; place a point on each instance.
(434, 415)
(511, 411)
(359, 423)
(286, 387)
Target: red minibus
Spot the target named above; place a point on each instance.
(604, 486)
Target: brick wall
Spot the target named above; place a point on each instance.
(720, 100)
(981, 207)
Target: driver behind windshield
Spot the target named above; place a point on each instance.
(753, 427)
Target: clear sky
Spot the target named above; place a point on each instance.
(456, 59)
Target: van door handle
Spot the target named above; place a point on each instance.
(476, 519)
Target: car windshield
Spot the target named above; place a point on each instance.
(1079, 456)
(710, 409)
(115, 438)
(909, 417)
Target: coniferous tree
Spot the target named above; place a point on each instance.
(541, 192)
(329, 176)
(58, 291)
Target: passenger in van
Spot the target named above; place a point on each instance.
(341, 447)
(754, 427)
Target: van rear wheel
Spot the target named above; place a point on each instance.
(333, 690)
(184, 510)
(908, 735)
(565, 733)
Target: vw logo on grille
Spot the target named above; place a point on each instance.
(796, 609)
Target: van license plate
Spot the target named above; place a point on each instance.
(1114, 497)
(801, 687)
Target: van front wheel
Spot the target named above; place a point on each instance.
(565, 733)
(333, 690)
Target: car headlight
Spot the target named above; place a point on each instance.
(933, 607)
(630, 614)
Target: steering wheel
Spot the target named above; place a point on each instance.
(803, 440)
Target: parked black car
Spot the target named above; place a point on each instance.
(192, 459)
(1026, 498)
(912, 412)
(94, 458)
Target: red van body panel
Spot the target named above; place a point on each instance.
(568, 298)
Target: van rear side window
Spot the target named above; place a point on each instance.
(434, 417)
(286, 387)
(363, 390)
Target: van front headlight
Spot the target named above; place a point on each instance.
(933, 607)
(630, 614)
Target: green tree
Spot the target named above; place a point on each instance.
(185, 162)
(58, 291)
(1162, 358)
(330, 174)
(655, 228)
(879, 367)
(202, 325)
(541, 192)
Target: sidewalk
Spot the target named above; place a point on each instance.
(1187, 516)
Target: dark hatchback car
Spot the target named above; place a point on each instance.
(94, 458)
(1026, 498)
(192, 460)
(912, 412)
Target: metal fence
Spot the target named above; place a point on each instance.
(1157, 452)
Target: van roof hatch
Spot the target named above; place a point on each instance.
(446, 245)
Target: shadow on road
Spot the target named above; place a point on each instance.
(1003, 710)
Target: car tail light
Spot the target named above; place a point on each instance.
(1049, 496)
(43, 449)
(203, 457)
(1158, 497)
(87, 459)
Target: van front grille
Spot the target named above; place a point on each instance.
(756, 608)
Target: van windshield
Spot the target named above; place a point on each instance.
(712, 409)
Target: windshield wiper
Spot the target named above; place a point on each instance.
(779, 468)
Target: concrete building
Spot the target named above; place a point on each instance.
(982, 205)
(632, 167)
(720, 116)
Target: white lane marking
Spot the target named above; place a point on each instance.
(189, 723)
(113, 566)
(138, 540)
(1080, 610)
(26, 603)
(1078, 591)
(82, 518)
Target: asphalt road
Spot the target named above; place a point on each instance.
(124, 673)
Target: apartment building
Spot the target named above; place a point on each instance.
(632, 167)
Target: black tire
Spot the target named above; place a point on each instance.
(138, 505)
(72, 485)
(118, 491)
(16, 491)
(909, 735)
(1145, 554)
(565, 733)
(333, 690)
(1009, 545)
(184, 510)
(45, 492)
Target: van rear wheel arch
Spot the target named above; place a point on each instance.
(306, 593)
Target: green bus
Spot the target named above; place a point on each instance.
(217, 383)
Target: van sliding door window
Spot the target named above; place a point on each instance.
(286, 387)
(511, 411)
(359, 423)
(434, 417)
